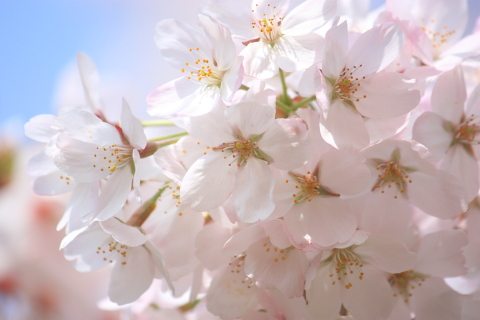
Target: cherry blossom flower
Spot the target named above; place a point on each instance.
(134, 259)
(210, 63)
(242, 141)
(274, 38)
(450, 131)
(356, 85)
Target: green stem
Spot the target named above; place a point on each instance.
(171, 136)
(304, 102)
(243, 87)
(283, 106)
(157, 123)
(166, 143)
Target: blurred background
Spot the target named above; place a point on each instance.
(38, 43)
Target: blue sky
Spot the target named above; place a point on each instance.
(39, 39)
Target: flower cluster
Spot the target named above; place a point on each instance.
(324, 167)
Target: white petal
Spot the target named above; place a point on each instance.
(449, 95)
(203, 101)
(375, 49)
(441, 196)
(252, 195)
(241, 240)
(336, 48)
(429, 130)
(208, 182)
(123, 233)
(160, 264)
(259, 60)
(386, 254)
(343, 172)
(386, 95)
(232, 80)
(250, 118)
(224, 51)
(39, 128)
(132, 128)
(90, 80)
(286, 142)
(440, 254)
(308, 16)
(324, 299)
(369, 298)
(171, 97)
(114, 193)
(294, 53)
(130, 280)
(347, 126)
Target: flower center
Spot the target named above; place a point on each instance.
(202, 70)
(113, 251)
(404, 282)
(466, 131)
(240, 151)
(112, 157)
(438, 38)
(347, 85)
(391, 174)
(344, 264)
(268, 28)
(308, 187)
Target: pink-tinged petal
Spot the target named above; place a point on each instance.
(308, 16)
(375, 49)
(114, 193)
(430, 130)
(130, 280)
(237, 15)
(369, 298)
(271, 268)
(252, 195)
(77, 160)
(441, 196)
(224, 51)
(40, 164)
(230, 296)
(209, 244)
(204, 100)
(383, 214)
(160, 264)
(473, 102)
(275, 230)
(310, 83)
(294, 53)
(347, 126)
(449, 95)
(440, 254)
(52, 183)
(312, 121)
(286, 142)
(386, 254)
(81, 245)
(343, 172)
(241, 240)
(171, 97)
(132, 128)
(123, 233)
(171, 167)
(463, 165)
(336, 48)
(137, 175)
(232, 80)
(386, 95)
(90, 81)
(82, 204)
(259, 60)
(250, 118)
(435, 300)
(175, 39)
(209, 182)
(381, 129)
(88, 127)
(324, 299)
(400, 311)
(327, 220)
(39, 128)
(212, 129)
